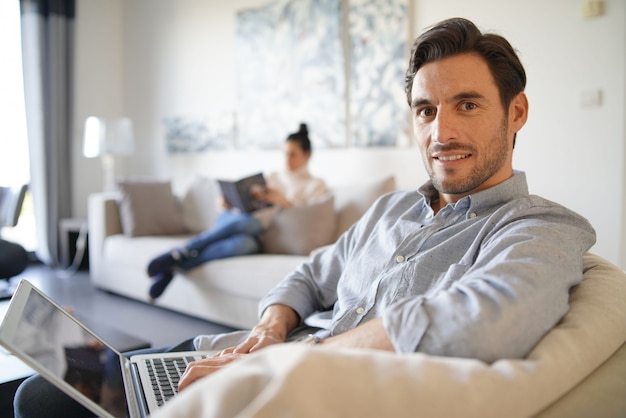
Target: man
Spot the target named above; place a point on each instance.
(470, 265)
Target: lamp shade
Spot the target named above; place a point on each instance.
(93, 137)
(102, 137)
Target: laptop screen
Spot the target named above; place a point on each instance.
(61, 349)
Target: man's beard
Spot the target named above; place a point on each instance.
(491, 160)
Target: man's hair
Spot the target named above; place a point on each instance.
(458, 36)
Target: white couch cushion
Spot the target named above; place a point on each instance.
(250, 276)
(246, 276)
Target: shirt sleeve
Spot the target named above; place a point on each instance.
(312, 287)
(503, 301)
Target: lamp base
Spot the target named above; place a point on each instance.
(108, 172)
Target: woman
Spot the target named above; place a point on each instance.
(236, 233)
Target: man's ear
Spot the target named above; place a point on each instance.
(518, 112)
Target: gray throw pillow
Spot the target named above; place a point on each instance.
(353, 201)
(301, 229)
(149, 208)
(199, 204)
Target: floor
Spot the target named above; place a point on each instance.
(157, 326)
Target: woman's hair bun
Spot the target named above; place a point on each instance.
(301, 137)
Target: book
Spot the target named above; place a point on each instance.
(240, 194)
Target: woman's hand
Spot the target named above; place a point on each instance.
(274, 196)
(223, 204)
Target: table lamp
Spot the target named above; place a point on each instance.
(106, 139)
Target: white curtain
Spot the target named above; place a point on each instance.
(47, 51)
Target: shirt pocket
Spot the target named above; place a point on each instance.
(454, 273)
(426, 277)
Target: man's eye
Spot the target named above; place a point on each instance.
(427, 112)
(468, 106)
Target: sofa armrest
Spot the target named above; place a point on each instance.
(103, 217)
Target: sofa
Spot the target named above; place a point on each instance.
(146, 218)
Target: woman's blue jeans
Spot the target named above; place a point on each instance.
(232, 234)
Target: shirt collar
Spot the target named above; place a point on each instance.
(512, 188)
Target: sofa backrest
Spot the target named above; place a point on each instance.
(296, 230)
(199, 202)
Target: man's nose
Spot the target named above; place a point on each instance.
(443, 127)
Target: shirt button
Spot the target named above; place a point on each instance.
(360, 310)
(428, 216)
(400, 259)
(472, 215)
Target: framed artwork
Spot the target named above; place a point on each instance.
(290, 70)
(184, 134)
(302, 61)
(378, 31)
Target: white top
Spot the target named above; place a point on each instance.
(299, 187)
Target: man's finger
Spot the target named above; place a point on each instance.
(193, 373)
(198, 369)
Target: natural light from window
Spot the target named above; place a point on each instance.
(14, 164)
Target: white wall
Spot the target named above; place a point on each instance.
(164, 58)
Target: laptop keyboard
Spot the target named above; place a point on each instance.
(165, 374)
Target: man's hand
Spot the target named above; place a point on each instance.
(275, 324)
(258, 338)
(273, 328)
(201, 368)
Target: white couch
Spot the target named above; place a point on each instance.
(224, 291)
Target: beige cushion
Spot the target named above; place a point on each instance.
(199, 204)
(300, 229)
(149, 208)
(351, 202)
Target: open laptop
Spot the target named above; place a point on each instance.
(72, 357)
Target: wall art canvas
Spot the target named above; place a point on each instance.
(379, 114)
(290, 70)
(186, 134)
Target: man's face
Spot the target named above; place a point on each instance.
(464, 134)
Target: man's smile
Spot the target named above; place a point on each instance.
(451, 157)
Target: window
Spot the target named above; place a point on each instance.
(14, 163)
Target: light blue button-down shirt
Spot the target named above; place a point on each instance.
(485, 278)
